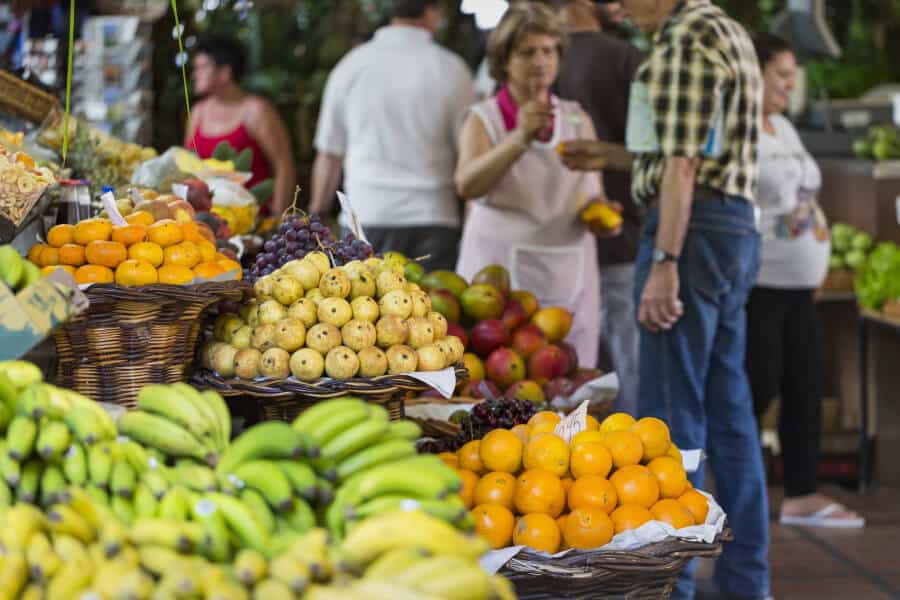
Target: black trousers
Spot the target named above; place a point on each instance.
(784, 358)
(440, 244)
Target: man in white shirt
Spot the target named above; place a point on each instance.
(389, 120)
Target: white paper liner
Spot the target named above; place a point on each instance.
(438, 412)
(444, 382)
(649, 533)
(598, 390)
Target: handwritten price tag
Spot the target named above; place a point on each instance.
(355, 226)
(574, 423)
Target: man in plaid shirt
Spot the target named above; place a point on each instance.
(694, 119)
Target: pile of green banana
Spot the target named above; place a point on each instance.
(374, 463)
(16, 272)
(180, 422)
(50, 434)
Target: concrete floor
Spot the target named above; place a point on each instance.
(822, 564)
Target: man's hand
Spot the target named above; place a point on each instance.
(593, 155)
(660, 307)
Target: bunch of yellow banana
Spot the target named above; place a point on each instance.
(76, 549)
(403, 555)
(374, 462)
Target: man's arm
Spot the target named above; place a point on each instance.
(267, 128)
(326, 177)
(679, 81)
(594, 155)
(675, 202)
(331, 142)
(660, 307)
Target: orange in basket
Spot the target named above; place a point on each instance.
(108, 254)
(494, 523)
(60, 235)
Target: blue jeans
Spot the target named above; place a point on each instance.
(693, 377)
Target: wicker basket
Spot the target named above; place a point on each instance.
(24, 99)
(650, 572)
(439, 428)
(130, 337)
(284, 399)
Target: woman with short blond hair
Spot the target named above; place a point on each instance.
(527, 214)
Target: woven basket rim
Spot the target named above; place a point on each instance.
(666, 554)
(384, 385)
(200, 292)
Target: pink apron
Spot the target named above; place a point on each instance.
(529, 223)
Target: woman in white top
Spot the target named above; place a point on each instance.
(527, 214)
(784, 355)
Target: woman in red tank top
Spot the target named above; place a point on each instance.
(228, 113)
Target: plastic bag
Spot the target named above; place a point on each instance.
(161, 172)
(234, 203)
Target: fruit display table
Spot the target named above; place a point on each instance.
(863, 195)
(869, 320)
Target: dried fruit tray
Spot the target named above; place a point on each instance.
(283, 399)
(649, 572)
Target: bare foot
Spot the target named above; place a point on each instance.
(804, 506)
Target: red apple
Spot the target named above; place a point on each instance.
(571, 356)
(561, 386)
(459, 331)
(199, 194)
(504, 367)
(444, 302)
(547, 363)
(487, 336)
(514, 315)
(526, 390)
(476, 389)
(527, 339)
(582, 376)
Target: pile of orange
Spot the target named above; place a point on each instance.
(142, 252)
(527, 486)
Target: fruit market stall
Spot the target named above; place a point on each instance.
(165, 499)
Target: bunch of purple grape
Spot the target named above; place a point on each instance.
(485, 417)
(299, 235)
(350, 249)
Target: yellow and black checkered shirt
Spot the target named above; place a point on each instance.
(702, 58)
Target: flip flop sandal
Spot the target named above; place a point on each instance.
(823, 519)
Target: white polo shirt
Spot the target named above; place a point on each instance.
(393, 108)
